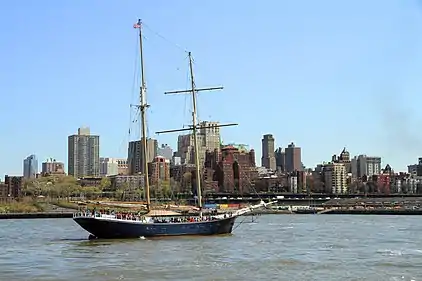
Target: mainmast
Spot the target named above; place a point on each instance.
(195, 135)
(194, 127)
(143, 106)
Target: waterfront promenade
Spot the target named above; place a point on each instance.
(361, 206)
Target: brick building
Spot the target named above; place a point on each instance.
(182, 174)
(234, 170)
(159, 170)
(383, 183)
(4, 192)
(13, 185)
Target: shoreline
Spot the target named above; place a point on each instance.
(55, 215)
(37, 215)
(408, 212)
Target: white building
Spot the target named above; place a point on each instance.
(335, 178)
(109, 166)
(208, 137)
(293, 184)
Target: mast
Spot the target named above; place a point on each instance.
(194, 127)
(143, 107)
(195, 136)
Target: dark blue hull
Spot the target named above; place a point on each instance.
(109, 228)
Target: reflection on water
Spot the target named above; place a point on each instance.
(279, 247)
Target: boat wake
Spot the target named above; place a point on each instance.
(68, 240)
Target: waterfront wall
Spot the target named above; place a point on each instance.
(43, 215)
(406, 212)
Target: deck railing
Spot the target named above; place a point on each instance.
(132, 217)
(129, 217)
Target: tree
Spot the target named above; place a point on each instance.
(119, 194)
(53, 186)
(139, 194)
(361, 187)
(105, 183)
(405, 187)
(29, 187)
(66, 189)
(91, 192)
(187, 182)
(165, 189)
(353, 187)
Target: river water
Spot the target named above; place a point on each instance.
(277, 247)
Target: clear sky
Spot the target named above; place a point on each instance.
(324, 74)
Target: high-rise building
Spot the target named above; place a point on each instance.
(159, 169)
(51, 166)
(122, 166)
(30, 167)
(280, 159)
(335, 178)
(344, 158)
(368, 166)
(84, 154)
(108, 166)
(165, 151)
(268, 153)
(293, 158)
(208, 137)
(135, 156)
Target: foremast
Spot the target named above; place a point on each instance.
(194, 127)
(143, 106)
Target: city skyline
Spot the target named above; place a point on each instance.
(287, 158)
(353, 69)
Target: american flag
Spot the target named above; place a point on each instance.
(137, 25)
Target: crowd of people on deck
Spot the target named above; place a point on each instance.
(184, 219)
(139, 217)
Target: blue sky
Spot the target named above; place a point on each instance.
(324, 74)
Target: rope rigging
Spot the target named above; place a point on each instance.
(197, 96)
(134, 95)
(135, 119)
(165, 39)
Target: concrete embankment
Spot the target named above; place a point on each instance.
(269, 212)
(45, 215)
(407, 212)
(51, 215)
(41, 215)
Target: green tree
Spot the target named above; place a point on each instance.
(187, 182)
(119, 194)
(61, 186)
(165, 189)
(175, 185)
(66, 190)
(29, 187)
(105, 183)
(140, 194)
(91, 192)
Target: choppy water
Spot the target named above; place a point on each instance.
(278, 247)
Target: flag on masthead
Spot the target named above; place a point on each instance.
(137, 25)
